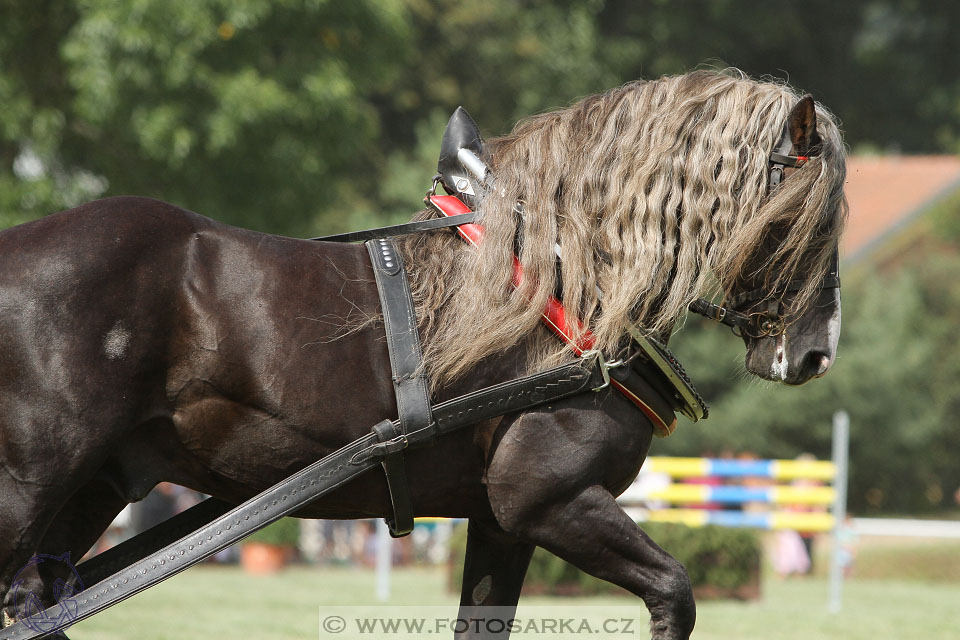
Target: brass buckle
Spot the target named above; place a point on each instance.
(767, 325)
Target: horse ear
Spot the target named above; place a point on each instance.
(803, 126)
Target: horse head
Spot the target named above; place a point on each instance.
(788, 342)
(792, 325)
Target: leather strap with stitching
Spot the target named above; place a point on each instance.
(312, 482)
(409, 380)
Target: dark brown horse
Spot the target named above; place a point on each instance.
(142, 343)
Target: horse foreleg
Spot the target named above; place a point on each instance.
(593, 533)
(493, 574)
(60, 540)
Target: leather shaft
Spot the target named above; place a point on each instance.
(129, 551)
(277, 501)
(312, 482)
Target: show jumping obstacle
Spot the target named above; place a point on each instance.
(778, 498)
(832, 497)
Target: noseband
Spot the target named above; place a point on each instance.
(763, 324)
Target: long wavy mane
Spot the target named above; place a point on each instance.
(656, 193)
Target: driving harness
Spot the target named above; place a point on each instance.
(652, 379)
(656, 384)
(409, 379)
(765, 323)
(639, 380)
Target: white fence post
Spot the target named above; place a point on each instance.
(841, 451)
(384, 560)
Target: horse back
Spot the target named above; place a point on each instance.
(132, 324)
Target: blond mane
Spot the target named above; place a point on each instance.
(656, 193)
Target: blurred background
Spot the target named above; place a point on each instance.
(308, 117)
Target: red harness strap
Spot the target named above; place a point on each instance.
(554, 315)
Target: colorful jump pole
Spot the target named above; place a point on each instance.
(774, 495)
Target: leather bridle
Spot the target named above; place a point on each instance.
(762, 324)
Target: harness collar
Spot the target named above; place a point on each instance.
(658, 408)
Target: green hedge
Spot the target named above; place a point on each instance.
(721, 562)
(285, 532)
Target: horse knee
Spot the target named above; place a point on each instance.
(14, 590)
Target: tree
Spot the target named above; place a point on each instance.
(246, 110)
(888, 69)
(301, 116)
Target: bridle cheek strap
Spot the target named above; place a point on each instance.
(763, 324)
(780, 158)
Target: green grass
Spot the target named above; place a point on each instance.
(223, 602)
(930, 561)
(872, 610)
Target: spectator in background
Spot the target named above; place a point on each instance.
(789, 554)
(807, 537)
(159, 505)
(649, 482)
(847, 538)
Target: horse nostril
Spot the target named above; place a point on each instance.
(819, 362)
(814, 364)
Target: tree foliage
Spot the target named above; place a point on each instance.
(313, 115)
(253, 111)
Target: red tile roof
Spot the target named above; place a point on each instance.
(886, 192)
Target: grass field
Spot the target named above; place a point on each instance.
(910, 559)
(222, 602)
